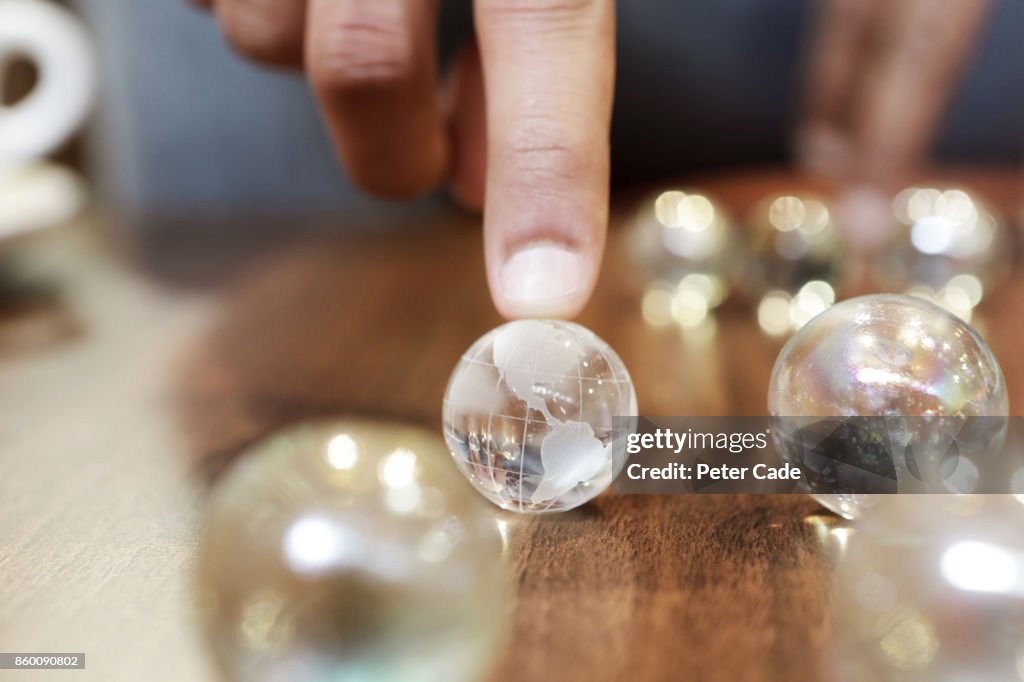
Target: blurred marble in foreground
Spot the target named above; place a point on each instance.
(350, 550)
(931, 589)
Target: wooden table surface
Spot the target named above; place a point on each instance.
(131, 371)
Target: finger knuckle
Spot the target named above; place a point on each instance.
(361, 50)
(545, 155)
(260, 30)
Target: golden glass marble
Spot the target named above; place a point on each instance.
(350, 550)
(890, 356)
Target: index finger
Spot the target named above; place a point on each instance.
(548, 71)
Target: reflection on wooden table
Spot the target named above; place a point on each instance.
(134, 376)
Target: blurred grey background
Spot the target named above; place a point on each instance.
(186, 125)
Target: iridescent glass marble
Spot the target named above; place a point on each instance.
(350, 550)
(888, 356)
(930, 588)
(528, 415)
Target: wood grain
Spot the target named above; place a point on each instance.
(184, 349)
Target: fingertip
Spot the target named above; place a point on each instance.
(542, 280)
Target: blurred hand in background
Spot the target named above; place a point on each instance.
(881, 75)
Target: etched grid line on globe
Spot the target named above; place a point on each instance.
(526, 426)
(490, 416)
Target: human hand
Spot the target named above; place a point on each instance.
(881, 75)
(531, 148)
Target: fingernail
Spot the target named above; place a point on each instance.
(538, 279)
(865, 214)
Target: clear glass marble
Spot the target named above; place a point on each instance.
(930, 588)
(528, 414)
(888, 356)
(350, 550)
(677, 233)
(682, 244)
(790, 241)
(946, 245)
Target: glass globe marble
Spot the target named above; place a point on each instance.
(929, 589)
(528, 415)
(349, 550)
(886, 356)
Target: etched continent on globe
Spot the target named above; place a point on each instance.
(528, 414)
